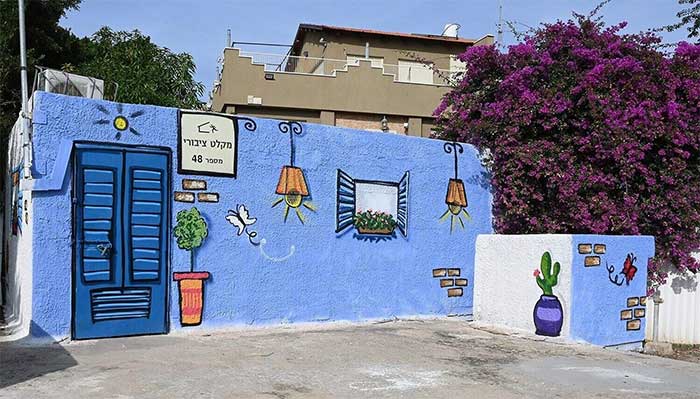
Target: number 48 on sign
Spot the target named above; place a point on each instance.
(207, 144)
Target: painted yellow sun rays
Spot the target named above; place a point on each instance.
(296, 202)
(119, 120)
(455, 213)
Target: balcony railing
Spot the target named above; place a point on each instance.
(328, 67)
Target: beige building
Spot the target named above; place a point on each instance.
(356, 78)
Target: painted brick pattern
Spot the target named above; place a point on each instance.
(181, 196)
(635, 312)
(585, 248)
(597, 249)
(453, 284)
(208, 197)
(195, 185)
(439, 272)
(192, 184)
(592, 261)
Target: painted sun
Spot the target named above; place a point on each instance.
(118, 120)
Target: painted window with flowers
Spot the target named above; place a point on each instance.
(372, 206)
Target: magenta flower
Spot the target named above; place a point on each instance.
(589, 131)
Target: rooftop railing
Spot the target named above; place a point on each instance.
(421, 74)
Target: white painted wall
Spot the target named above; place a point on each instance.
(505, 290)
(18, 309)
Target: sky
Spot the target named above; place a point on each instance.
(199, 27)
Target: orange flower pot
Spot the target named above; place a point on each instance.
(191, 287)
(384, 231)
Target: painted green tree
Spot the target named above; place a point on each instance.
(190, 231)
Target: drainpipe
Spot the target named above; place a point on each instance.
(655, 328)
(26, 141)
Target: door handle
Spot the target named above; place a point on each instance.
(105, 249)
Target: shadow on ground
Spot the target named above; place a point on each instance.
(36, 358)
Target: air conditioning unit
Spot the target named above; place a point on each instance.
(54, 81)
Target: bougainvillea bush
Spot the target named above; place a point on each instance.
(587, 130)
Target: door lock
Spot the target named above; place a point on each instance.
(105, 249)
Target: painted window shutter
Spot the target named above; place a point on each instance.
(345, 202)
(98, 221)
(402, 222)
(146, 212)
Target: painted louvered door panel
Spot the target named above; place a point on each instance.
(120, 229)
(97, 181)
(146, 217)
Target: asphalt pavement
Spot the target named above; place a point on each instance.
(442, 358)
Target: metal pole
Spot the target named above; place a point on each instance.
(655, 329)
(23, 75)
(499, 39)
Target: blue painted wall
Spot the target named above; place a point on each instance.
(328, 277)
(597, 303)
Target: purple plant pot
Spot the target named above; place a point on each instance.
(548, 316)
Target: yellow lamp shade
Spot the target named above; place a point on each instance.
(292, 182)
(455, 193)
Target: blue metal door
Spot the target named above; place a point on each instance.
(121, 214)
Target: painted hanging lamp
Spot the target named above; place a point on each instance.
(456, 198)
(292, 183)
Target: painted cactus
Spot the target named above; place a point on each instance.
(549, 276)
(548, 314)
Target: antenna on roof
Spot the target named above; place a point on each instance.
(499, 39)
(228, 37)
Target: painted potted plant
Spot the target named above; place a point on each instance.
(548, 314)
(374, 222)
(190, 231)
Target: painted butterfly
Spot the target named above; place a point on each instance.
(629, 269)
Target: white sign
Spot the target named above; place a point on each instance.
(207, 144)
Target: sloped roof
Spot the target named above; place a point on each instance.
(413, 36)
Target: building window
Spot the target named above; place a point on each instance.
(415, 72)
(376, 61)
